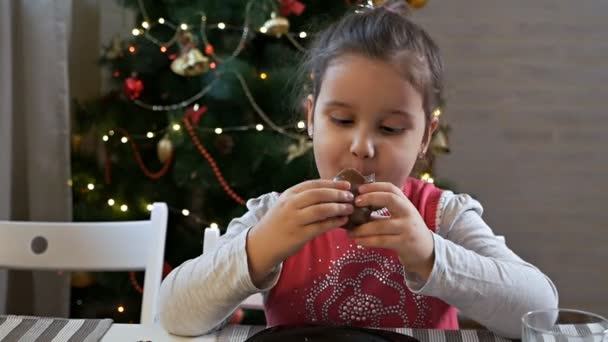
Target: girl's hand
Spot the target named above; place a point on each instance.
(301, 213)
(403, 232)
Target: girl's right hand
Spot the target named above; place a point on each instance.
(301, 213)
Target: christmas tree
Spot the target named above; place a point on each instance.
(203, 115)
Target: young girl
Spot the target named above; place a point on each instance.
(377, 78)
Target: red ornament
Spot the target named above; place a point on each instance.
(166, 269)
(209, 49)
(237, 316)
(289, 7)
(133, 87)
(194, 115)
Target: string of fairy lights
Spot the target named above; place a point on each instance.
(123, 207)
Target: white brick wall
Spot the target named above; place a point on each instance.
(527, 97)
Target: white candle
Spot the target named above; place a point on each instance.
(212, 234)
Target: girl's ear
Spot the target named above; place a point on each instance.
(433, 125)
(310, 113)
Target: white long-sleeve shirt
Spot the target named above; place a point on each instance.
(473, 270)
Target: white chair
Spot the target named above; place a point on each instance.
(212, 234)
(91, 246)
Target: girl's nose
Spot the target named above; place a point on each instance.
(362, 146)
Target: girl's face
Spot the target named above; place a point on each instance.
(367, 116)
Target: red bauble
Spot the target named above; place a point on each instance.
(133, 87)
(209, 49)
(289, 7)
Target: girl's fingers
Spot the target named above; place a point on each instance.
(380, 187)
(319, 183)
(323, 195)
(397, 205)
(326, 225)
(323, 211)
(382, 226)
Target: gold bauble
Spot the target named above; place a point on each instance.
(82, 279)
(164, 149)
(76, 142)
(275, 26)
(439, 143)
(191, 63)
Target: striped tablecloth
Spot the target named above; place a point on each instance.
(239, 333)
(25, 329)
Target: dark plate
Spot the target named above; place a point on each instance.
(319, 333)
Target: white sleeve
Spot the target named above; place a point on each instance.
(477, 273)
(201, 294)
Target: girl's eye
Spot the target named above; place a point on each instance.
(391, 130)
(341, 121)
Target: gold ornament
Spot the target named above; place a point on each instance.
(76, 142)
(82, 279)
(275, 26)
(115, 49)
(164, 149)
(191, 61)
(296, 150)
(417, 3)
(439, 142)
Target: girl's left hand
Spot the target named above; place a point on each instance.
(404, 232)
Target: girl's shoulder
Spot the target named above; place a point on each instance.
(440, 208)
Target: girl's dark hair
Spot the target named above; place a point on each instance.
(385, 33)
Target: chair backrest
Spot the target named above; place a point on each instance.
(91, 246)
